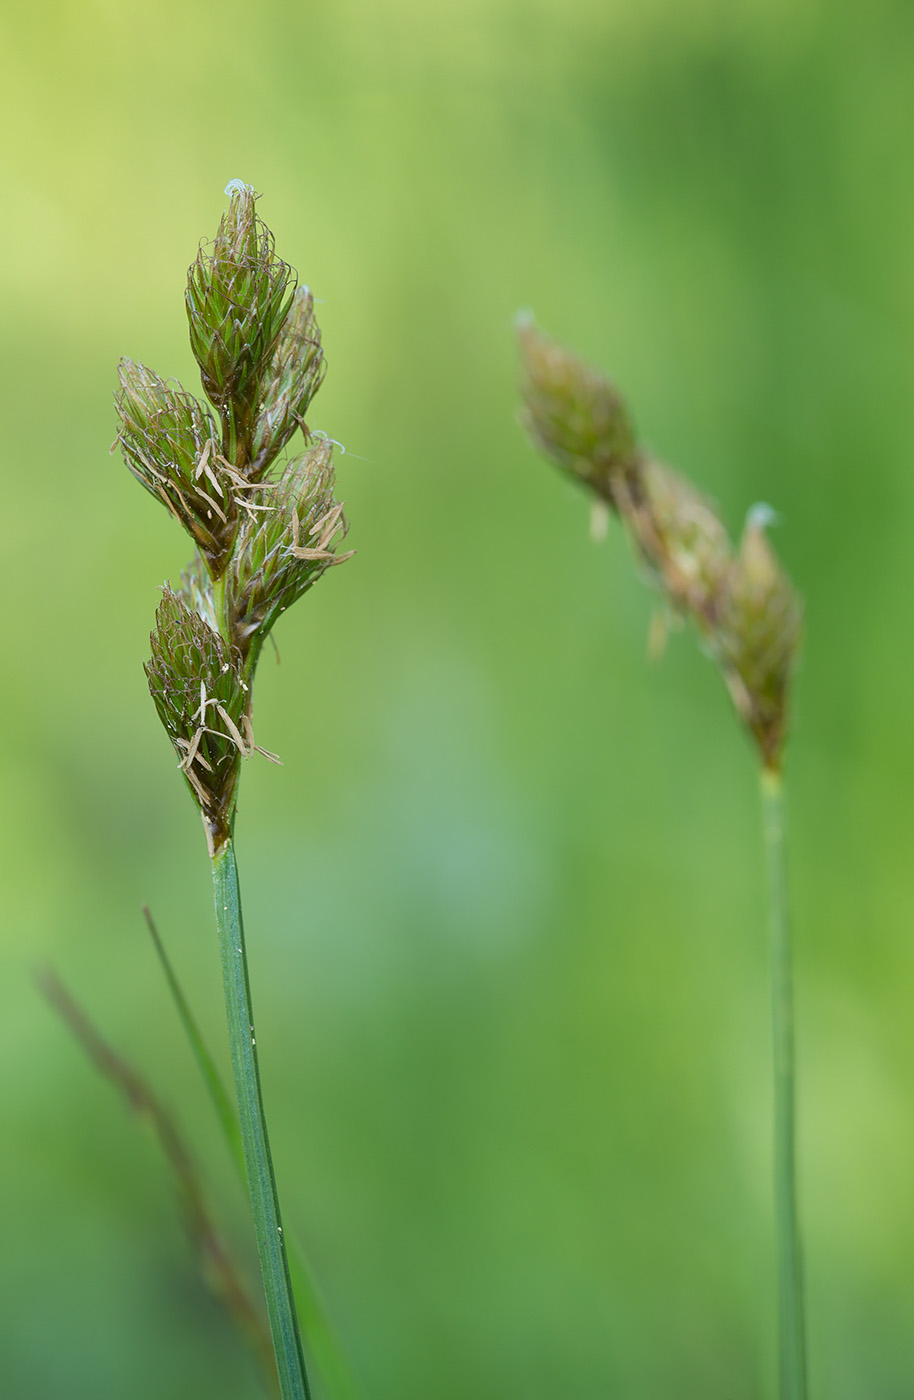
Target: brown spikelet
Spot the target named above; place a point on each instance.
(757, 638)
(680, 538)
(576, 416)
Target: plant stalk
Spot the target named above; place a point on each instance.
(320, 1337)
(271, 1247)
(791, 1322)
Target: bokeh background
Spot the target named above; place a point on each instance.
(504, 898)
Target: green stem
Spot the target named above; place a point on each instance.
(261, 1182)
(320, 1338)
(792, 1331)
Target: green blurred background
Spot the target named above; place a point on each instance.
(504, 898)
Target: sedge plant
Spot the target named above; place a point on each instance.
(265, 526)
(749, 619)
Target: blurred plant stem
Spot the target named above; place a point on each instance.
(290, 1363)
(217, 1265)
(320, 1336)
(791, 1322)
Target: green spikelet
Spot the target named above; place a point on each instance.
(169, 442)
(238, 296)
(576, 416)
(195, 681)
(294, 375)
(265, 531)
(282, 553)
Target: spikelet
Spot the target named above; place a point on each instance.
(238, 296)
(681, 539)
(283, 553)
(758, 636)
(576, 416)
(168, 440)
(294, 375)
(195, 681)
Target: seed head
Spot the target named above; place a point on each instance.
(196, 684)
(575, 415)
(264, 533)
(742, 602)
(238, 296)
(294, 375)
(284, 551)
(757, 638)
(682, 540)
(169, 442)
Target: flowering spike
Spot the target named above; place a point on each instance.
(283, 552)
(238, 296)
(195, 682)
(575, 415)
(681, 539)
(264, 533)
(168, 440)
(262, 541)
(742, 603)
(758, 638)
(294, 375)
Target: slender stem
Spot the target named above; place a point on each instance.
(261, 1181)
(792, 1331)
(320, 1337)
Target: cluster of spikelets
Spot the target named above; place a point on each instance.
(264, 531)
(739, 598)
